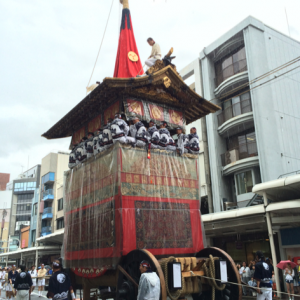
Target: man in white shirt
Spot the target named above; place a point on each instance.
(33, 274)
(155, 53)
(245, 274)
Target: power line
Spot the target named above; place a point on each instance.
(112, 2)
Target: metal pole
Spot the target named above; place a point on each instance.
(36, 258)
(271, 238)
(6, 260)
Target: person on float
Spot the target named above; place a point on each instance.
(132, 131)
(41, 279)
(193, 140)
(149, 285)
(263, 277)
(33, 274)
(95, 142)
(155, 53)
(81, 151)
(142, 136)
(154, 134)
(89, 145)
(23, 284)
(182, 142)
(107, 136)
(59, 283)
(12, 274)
(72, 157)
(164, 135)
(119, 129)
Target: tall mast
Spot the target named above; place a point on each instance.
(128, 62)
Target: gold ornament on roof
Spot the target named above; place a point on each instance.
(167, 82)
(133, 56)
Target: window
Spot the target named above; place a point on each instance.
(35, 209)
(244, 182)
(60, 223)
(230, 65)
(60, 204)
(24, 186)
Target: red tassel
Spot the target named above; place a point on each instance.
(149, 153)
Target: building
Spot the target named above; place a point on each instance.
(42, 241)
(21, 202)
(5, 206)
(52, 175)
(4, 179)
(253, 138)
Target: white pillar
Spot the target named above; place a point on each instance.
(36, 258)
(271, 238)
(6, 260)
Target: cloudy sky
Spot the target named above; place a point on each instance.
(48, 49)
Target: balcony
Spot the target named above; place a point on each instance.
(46, 230)
(234, 110)
(47, 213)
(48, 178)
(237, 159)
(48, 195)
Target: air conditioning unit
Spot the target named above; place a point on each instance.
(231, 156)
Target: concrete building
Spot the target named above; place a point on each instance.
(4, 179)
(52, 175)
(5, 206)
(21, 202)
(254, 137)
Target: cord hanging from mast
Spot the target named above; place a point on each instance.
(112, 2)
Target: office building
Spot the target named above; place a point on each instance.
(250, 73)
(5, 206)
(21, 202)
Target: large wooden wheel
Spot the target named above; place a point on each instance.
(126, 290)
(231, 291)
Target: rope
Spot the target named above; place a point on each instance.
(209, 268)
(164, 266)
(112, 2)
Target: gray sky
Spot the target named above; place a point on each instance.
(48, 49)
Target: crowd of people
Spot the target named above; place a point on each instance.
(249, 276)
(20, 283)
(136, 134)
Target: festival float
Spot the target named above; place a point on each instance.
(126, 204)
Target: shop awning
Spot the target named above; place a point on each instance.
(32, 251)
(54, 238)
(287, 188)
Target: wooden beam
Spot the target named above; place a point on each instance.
(192, 274)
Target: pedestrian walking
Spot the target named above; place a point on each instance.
(263, 277)
(41, 279)
(289, 280)
(59, 283)
(23, 283)
(33, 274)
(296, 278)
(245, 276)
(12, 274)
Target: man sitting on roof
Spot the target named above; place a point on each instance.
(119, 129)
(155, 53)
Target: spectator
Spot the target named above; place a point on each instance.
(269, 262)
(296, 279)
(289, 279)
(252, 271)
(245, 274)
(252, 283)
(50, 272)
(274, 287)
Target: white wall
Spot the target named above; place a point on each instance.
(5, 199)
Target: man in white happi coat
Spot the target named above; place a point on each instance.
(142, 136)
(107, 136)
(89, 145)
(149, 285)
(193, 141)
(155, 53)
(81, 151)
(154, 134)
(182, 142)
(119, 129)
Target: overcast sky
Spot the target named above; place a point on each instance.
(48, 49)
